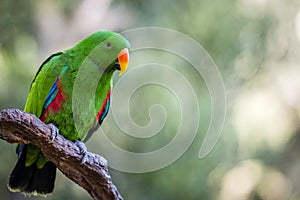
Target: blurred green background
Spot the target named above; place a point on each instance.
(255, 44)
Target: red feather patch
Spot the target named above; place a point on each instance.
(55, 105)
(104, 108)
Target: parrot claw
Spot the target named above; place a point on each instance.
(54, 132)
(83, 150)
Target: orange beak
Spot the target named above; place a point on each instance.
(123, 59)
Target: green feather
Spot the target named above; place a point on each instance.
(90, 66)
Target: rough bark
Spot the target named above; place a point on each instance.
(19, 127)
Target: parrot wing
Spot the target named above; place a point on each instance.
(42, 84)
(42, 91)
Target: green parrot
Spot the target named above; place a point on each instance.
(72, 90)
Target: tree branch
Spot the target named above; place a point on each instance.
(19, 127)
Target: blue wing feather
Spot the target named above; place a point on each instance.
(100, 120)
(103, 115)
(52, 94)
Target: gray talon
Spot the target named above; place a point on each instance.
(83, 150)
(54, 132)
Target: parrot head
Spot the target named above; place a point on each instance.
(109, 51)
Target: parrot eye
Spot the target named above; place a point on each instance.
(108, 44)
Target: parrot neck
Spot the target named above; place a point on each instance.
(88, 85)
(103, 88)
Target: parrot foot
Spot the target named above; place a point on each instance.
(54, 131)
(83, 150)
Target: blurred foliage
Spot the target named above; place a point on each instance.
(255, 45)
(16, 19)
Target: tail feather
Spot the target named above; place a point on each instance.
(42, 182)
(21, 175)
(32, 180)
